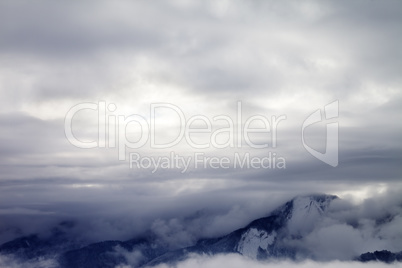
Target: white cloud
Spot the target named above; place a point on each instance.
(237, 261)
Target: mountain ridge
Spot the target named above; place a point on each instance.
(261, 239)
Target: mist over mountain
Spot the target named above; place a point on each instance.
(314, 227)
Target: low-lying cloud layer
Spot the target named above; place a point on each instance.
(239, 261)
(231, 260)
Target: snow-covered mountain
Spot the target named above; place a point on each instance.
(263, 238)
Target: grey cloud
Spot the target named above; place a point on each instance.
(216, 56)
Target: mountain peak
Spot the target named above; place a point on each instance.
(296, 217)
(304, 211)
(318, 201)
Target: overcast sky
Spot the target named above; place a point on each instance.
(276, 58)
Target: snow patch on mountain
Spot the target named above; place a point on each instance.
(306, 211)
(254, 239)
